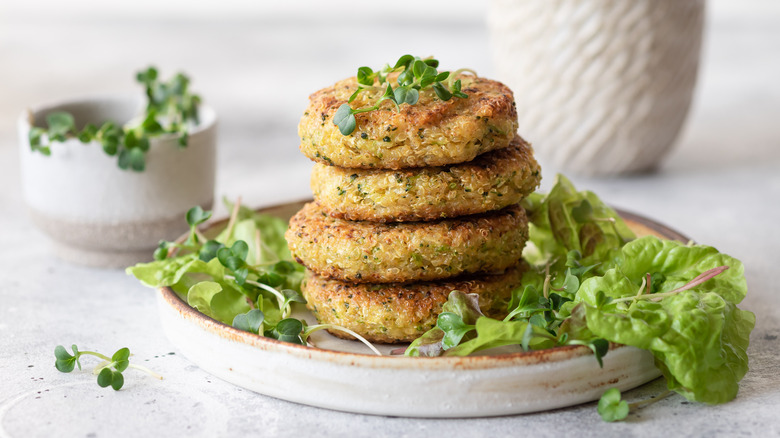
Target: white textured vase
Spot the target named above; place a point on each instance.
(602, 86)
(100, 215)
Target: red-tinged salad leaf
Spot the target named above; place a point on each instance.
(461, 312)
(686, 314)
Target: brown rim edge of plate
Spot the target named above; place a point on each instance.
(472, 362)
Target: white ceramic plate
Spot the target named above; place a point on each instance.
(345, 376)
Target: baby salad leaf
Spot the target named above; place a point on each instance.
(196, 216)
(453, 327)
(107, 377)
(431, 343)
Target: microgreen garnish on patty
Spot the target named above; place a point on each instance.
(415, 74)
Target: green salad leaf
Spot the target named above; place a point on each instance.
(697, 335)
(568, 223)
(573, 236)
(492, 333)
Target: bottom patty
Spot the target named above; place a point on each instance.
(398, 312)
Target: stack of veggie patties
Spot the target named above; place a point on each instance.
(416, 202)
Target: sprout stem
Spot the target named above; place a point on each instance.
(146, 370)
(313, 328)
(651, 400)
(233, 218)
(701, 278)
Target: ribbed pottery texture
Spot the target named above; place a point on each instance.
(602, 86)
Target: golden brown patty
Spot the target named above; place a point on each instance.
(396, 312)
(432, 132)
(371, 252)
(492, 181)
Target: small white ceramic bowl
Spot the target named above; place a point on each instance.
(100, 215)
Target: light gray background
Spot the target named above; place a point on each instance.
(256, 64)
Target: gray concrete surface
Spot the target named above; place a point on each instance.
(721, 186)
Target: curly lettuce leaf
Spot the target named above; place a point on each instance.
(565, 220)
(698, 336)
(568, 221)
(163, 272)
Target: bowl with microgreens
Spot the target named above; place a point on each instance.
(108, 177)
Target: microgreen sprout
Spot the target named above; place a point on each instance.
(109, 371)
(415, 75)
(599, 347)
(170, 109)
(453, 327)
(613, 408)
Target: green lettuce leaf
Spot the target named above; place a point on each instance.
(698, 336)
(492, 333)
(216, 301)
(163, 272)
(271, 228)
(564, 222)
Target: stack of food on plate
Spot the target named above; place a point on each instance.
(417, 201)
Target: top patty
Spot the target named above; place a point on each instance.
(432, 132)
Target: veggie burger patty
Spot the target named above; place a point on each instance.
(372, 252)
(492, 181)
(432, 132)
(395, 312)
